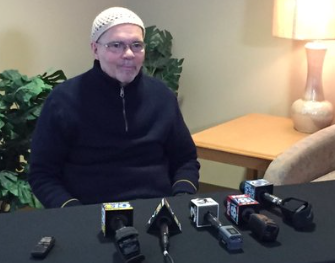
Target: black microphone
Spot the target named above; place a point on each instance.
(295, 211)
(117, 221)
(243, 210)
(204, 212)
(164, 222)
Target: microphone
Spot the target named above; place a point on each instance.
(117, 221)
(295, 211)
(164, 222)
(204, 212)
(242, 209)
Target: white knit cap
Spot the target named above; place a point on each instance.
(111, 17)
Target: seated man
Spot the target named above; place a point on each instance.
(112, 133)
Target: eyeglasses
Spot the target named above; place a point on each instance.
(118, 47)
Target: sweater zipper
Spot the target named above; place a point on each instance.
(124, 108)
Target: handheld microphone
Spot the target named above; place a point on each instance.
(204, 212)
(242, 209)
(295, 211)
(117, 221)
(164, 222)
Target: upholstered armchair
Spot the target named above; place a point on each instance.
(310, 159)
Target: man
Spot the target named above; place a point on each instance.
(112, 133)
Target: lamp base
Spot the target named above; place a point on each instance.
(310, 116)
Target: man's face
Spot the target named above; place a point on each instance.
(123, 66)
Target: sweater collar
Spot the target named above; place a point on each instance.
(112, 81)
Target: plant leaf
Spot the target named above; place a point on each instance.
(158, 57)
(53, 78)
(8, 180)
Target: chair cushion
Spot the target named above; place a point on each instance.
(326, 177)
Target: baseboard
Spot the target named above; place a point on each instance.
(207, 188)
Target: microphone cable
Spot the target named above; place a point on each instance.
(168, 257)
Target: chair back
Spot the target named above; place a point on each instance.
(310, 158)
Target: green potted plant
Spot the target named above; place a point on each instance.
(21, 100)
(158, 57)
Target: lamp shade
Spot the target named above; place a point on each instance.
(304, 19)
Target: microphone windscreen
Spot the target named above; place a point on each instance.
(238, 207)
(163, 214)
(115, 215)
(200, 207)
(256, 188)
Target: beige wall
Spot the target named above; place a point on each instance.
(233, 65)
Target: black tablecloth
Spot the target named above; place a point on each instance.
(79, 238)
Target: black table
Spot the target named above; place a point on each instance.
(79, 239)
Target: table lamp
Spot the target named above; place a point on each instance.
(312, 20)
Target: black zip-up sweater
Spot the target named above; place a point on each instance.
(96, 141)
